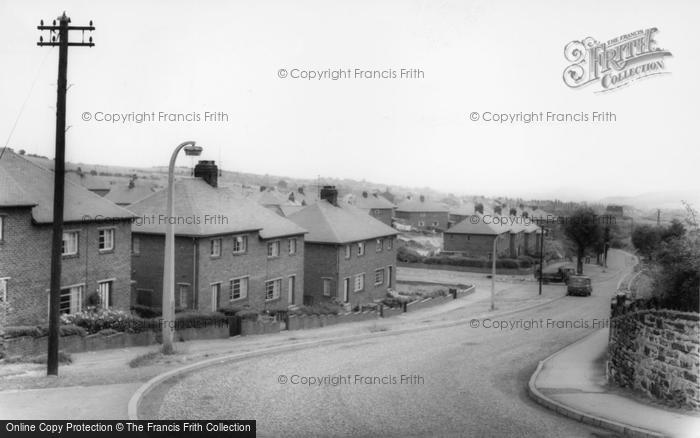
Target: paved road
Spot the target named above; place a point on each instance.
(466, 380)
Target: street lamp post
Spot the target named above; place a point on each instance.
(542, 230)
(493, 274)
(169, 257)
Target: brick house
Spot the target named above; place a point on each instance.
(475, 239)
(423, 214)
(461, 212)
(349, 256)
(376, 206)
(96, 244)
(229, 250)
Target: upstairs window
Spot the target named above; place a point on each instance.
(292, 244)
(106, 239)
(240, 244)
(273, 249)
(390, 243)
(135, 245)
(348, 251)
(3, 289)
(360, 248)
(380, 244)
(70, 243)
(215, 247)
(2, 228)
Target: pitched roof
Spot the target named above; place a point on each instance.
(413, 206)
(465, 209)
(287, 210)
(203, 210)
(372, 201)
(341, 224)
(472, 226)
(23, 182)
(123, 194)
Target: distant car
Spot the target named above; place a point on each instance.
(579, 285)
(557, 272)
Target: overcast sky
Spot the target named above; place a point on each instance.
(501, 56)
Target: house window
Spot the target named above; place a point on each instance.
(106, 239)
(380, 244)
(70, 243)
(3, 289)
(273, 249)
(378, 277)
(326, 287)
(390, 243)
(348, 251)
(272, 289)
(436, 223)
(183, 295)
(240, 244)
(239, 288)
(135, 245)
(215, 247)
(359, 282)
(360, 248)
(71, 300)
(215, 296)
(292, 243)
(104, 290)
(2, 228)
(421, 223)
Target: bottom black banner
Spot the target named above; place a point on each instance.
(137, 428)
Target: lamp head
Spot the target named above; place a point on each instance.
(193, 150)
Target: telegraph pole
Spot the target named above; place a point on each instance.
(59, 37)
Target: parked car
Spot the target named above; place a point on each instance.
(556, 272)
(579, 285)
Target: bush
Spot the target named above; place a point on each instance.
(108, 332)
(71, 330)
(248, 314)
(94, 320)
(507, 264)
(322, 308)
(230, 310)
(23, 330)
(146, 311)
(199, 319)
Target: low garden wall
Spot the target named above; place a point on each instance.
(657, 352)
(499, 271)
(29, 346)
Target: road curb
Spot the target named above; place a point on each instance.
(150, 385)
(578, 415)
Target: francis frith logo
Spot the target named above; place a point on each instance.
(615, 63)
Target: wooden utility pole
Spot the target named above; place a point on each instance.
(59, 37)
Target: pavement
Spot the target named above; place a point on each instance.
(572, 383)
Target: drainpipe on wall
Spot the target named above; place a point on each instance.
(195, 282)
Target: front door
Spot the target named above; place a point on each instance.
(346, 290)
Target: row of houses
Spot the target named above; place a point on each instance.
(229, 250)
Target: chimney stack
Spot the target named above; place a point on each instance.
(330, 194)
(208, 171)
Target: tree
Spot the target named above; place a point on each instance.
(513, 212)
(583, 230)
(479, 208)
(282, 184)
(646, 239)
(497, 209)
(675, 230)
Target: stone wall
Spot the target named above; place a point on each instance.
(656, 352)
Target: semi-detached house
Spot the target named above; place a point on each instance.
(229, 250)
(349, 256)
(96, 262)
